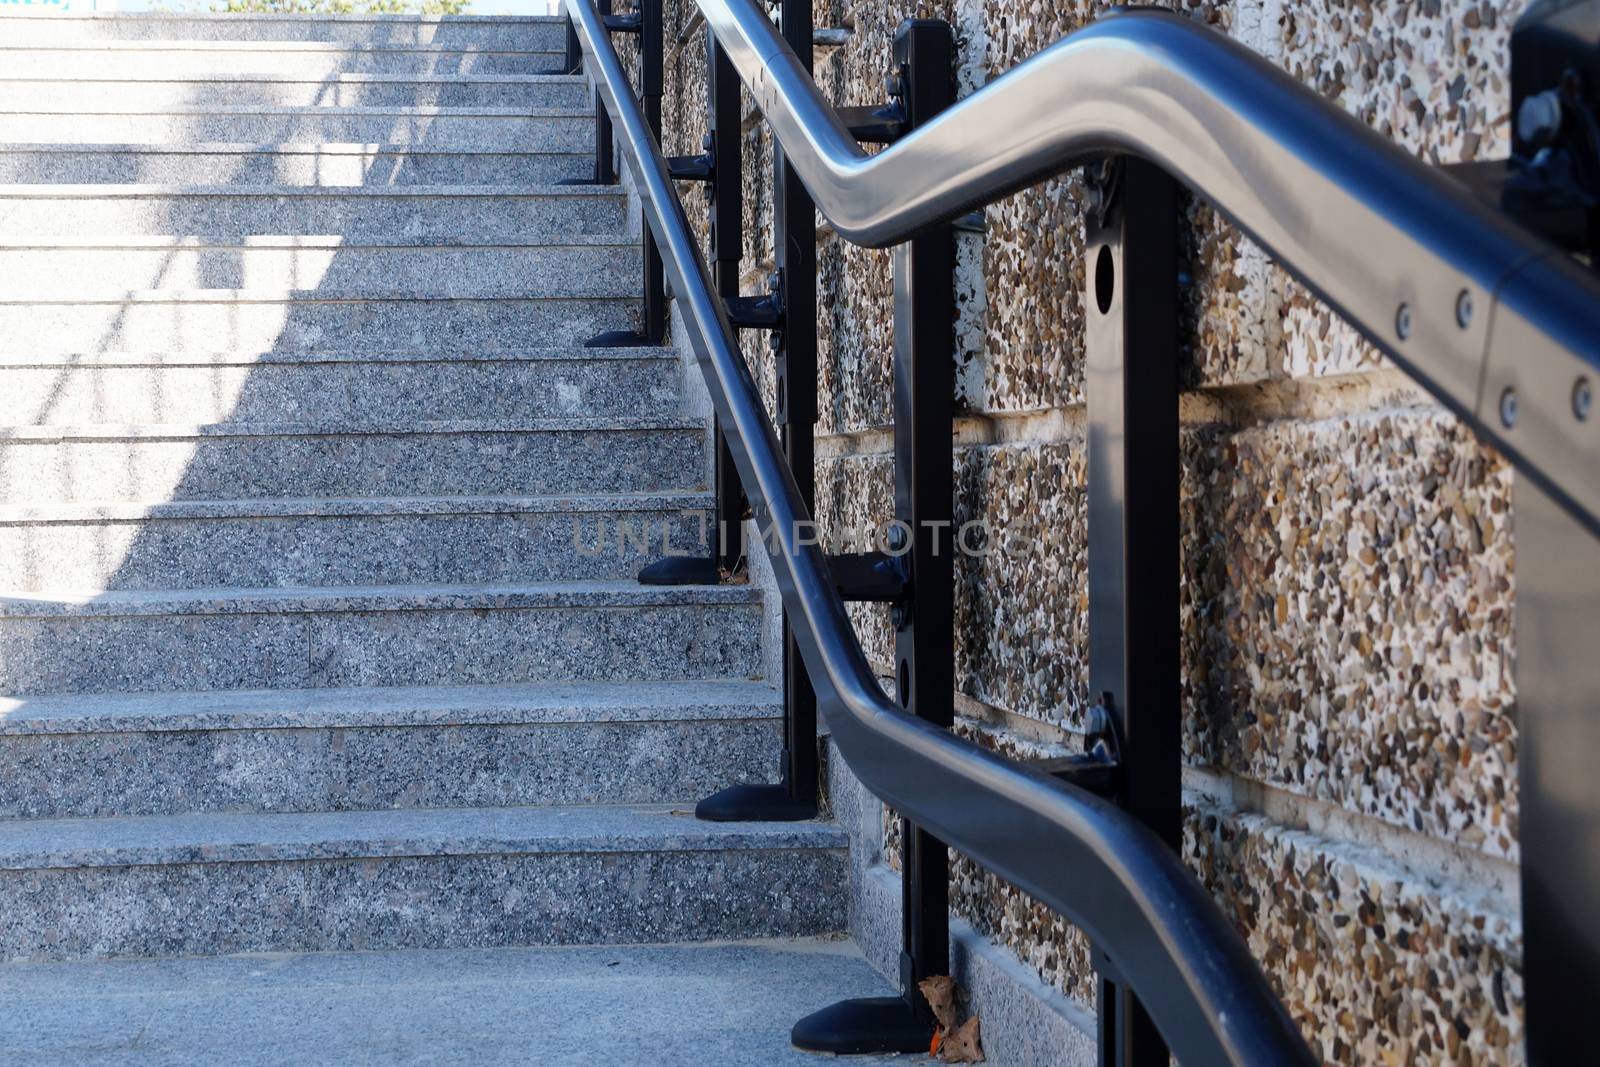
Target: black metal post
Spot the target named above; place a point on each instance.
(924, 387)
(652, 84)
(647, 22)
(574, 58)
(721, 168)
(605, 164)
(1558, 722)
(1132, 347)
(794, 346)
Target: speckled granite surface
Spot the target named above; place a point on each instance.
(130, 642)
(88, 210)
(299, 543)
(213, 884)
(345, 750)
(672, 1006)
(330, 164)
(230, 461)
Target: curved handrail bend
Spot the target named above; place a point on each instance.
(1076, 853)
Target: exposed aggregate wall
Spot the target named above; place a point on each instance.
(1347, 564)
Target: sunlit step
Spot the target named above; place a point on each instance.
(54, 269)
(44, 93)
(305, 163)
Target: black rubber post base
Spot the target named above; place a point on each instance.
(620, 339)
(681, 570)
(755, 803)
(862, 1027)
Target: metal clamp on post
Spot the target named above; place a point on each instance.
(870, 577)
(701, 168)
(1098, 768)
(885, 123)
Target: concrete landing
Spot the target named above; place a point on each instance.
(661, 1005)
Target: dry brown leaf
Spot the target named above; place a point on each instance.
(940, 992)
(962, 1045)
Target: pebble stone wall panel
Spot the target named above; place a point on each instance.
(1348, 569)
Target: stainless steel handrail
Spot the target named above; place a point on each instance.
(1078, 854)
(1465, 302)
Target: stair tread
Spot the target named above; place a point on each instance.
(358, 598)
(90, 511)
(350, 77)
(67, 42)
(612, 1004)
(391, 706)
(325, 148)
(411, 111)
(112, 358)
(174, 431)
(252, 838)
(233, 242)
(322, 295)
(115, 190)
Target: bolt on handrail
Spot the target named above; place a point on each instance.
(1498, 325)
(1076, 853)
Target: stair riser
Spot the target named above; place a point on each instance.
(388, 392)
(421, 902)
(322, 649)
(542, 35)
(606, 270)
(181, 62)
(475, 217)
(353, 465)
(162, 166)
(133, 95)
(336, 550)
(389, 325)
(555, 133)
(111, 774)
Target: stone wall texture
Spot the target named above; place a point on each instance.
(1348, 580)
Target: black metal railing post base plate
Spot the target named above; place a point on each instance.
(756, 803)
(871, 1025)
(620, 339)
(682, 570)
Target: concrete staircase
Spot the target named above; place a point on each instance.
(304, 640)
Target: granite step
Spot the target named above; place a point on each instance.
(378, 749)
(471, 212)
(552, 129)
(331, 164)
(691, 1005)
(184, 885)
(313, 59)
(231, 461)
(354, 636)
(303, 320)
(291, 543)
(43, 93)
(547, 265)
(84, 388)
(538, 33)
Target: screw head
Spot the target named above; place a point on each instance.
(1464, 309)
(898, 537)
(775, 341)
(1508, 408)
(1402, 321)
(1582, 399)
(894, 84)
(708, 141)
